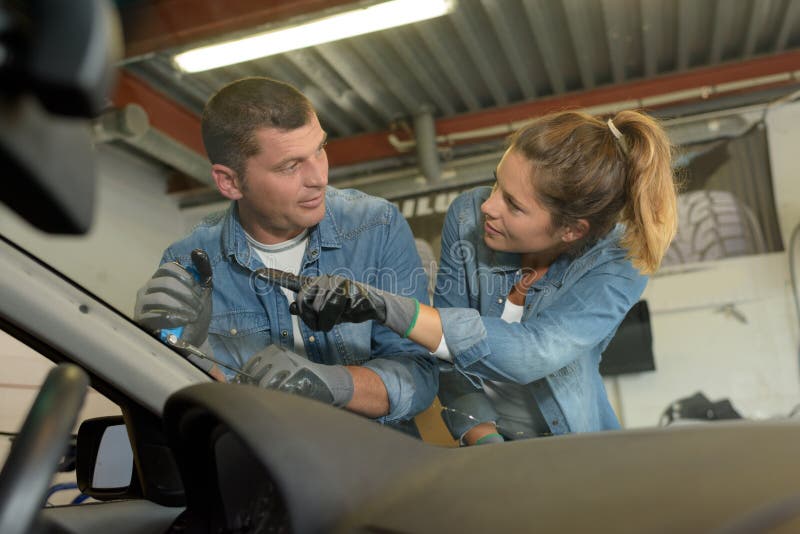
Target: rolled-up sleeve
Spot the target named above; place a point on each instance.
(411, 382)
(585, 317)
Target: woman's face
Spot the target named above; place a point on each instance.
(514, 220)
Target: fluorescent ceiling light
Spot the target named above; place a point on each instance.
(356, 22)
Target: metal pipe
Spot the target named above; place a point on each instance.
(131, 125)
(165, 149)
(427, 153)
(704, 92)
(127, 122)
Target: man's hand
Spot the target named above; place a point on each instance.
(278, 368)
(176, 298)
(327, 300)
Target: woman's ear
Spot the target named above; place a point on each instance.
(575, 232)
(227, 181)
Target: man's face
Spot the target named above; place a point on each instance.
(283, 191)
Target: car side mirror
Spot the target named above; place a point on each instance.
(104, 462)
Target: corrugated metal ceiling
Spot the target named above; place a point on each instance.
(479, 70)
(492, 53)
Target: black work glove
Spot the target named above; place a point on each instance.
(175, 298)
(283, 370)
(327, 300)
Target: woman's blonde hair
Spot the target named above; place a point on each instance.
(585, 168)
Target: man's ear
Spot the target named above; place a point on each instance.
(227, 181)
(576, 231)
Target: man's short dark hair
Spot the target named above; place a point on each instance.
(235, 112)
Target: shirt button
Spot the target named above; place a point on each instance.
(555, 422)
(314, 253)
(311, 339)
(499, 301)
(233, 331)
(284, 333)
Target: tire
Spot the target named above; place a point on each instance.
(713, 225)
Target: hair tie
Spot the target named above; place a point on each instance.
(618, 135)
(614, 130)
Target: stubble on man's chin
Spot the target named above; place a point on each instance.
(318, 216)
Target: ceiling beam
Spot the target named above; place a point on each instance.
(376, 145)
(153, 25)
(184, 126)
(165, 114)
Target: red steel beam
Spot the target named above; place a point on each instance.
(661, 85)
(376, 145)
(154, 25)
(184, 126)
(165, 114)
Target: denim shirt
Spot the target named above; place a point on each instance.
(569, 317)
(361, 237)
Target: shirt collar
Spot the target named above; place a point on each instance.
(565, 263)
(328, 229)
(234, 239)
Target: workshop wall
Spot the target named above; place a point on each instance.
(134, 222)
(729, 327)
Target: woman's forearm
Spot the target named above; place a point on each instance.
(427, 330)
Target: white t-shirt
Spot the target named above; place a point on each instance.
(286, 256)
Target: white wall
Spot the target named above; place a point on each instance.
(700, 347)
(193, 216)
(729, 330)
(134, 222)
(783, 136)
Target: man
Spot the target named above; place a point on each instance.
(267, 150)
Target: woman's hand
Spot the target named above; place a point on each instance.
(327, 300)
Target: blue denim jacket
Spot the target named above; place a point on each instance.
(361, 237)
(570, 316)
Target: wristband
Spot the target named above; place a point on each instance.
(487, 436)
(414, 320)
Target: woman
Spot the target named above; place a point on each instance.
(536, 274)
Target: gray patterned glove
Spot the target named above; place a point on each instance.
(281, 369)
(179, 301)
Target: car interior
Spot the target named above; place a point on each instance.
(223, 458)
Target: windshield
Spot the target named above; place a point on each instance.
(418, 115)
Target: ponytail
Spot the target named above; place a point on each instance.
(650, 212)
